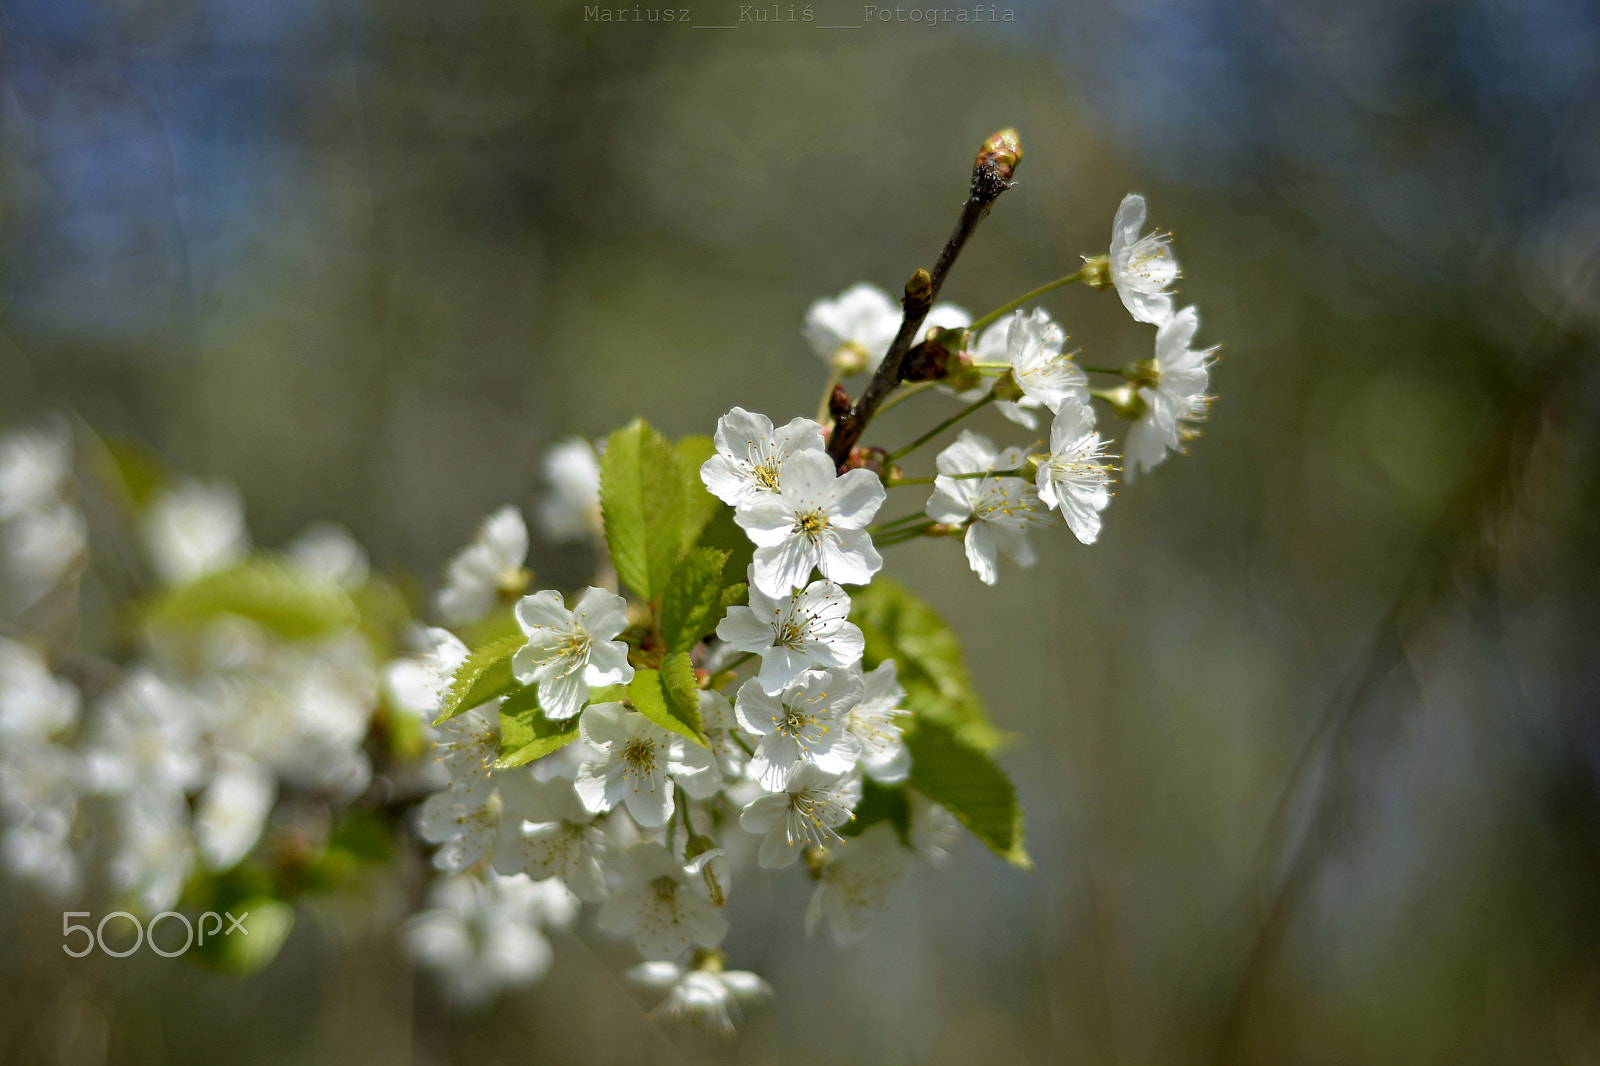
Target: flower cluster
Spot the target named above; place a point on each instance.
(737, 687)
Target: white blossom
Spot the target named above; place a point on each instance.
(38, 805)
(34, 703)
(481, 936)
(546, 831)
(34, 467)
(144, 740)
(807, 628)
(463, 826)
(1075, 478)
(1175, 396)
(805, 814)
(467, 746)
(1045, 373)
(993, 346)
(194, 528)
(705, 996)
(232, 810)
(751, 453)
(417, 684)
(568, 651)
(818, 520)
(998, 510)
(1141, 267)
(152, 853)
(661, 908)
(485, 570)
(571, 510)
(327, 551)
(853, 331)
(884, 757)
(39, 549)
(806, 723)
(637, 763)
(721, 727)
(855, 880)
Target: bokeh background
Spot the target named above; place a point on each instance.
(1311, 739)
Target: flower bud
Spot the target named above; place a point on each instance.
(871, 458)
(1000, 154)
(919, 290)
(838, 403)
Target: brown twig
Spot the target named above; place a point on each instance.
(991, 176)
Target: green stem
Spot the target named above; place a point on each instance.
(740, 661)
(941, 427)
(906, 392)
(1025, 297)
(1099, 370)
(884, 528)
(901, 536)
(894, 482)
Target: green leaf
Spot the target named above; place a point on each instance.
(699, 505)
(899, 626)
(266, 590)
(968, 784)
(642, 499)
(691, 607)
(264, 926)
(649, 698)
(880, 803)
(526, 734)
(485, 674)
(735, 596)
(678, 684)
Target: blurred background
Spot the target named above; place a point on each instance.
(1311, 739)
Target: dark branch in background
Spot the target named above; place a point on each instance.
(991, 176)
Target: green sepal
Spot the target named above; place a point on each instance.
(526, 734)
(649, 698)
(692, 606)
(966, 782)
(485, 674)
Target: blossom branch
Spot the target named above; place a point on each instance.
(991, 176)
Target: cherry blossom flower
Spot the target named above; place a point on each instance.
(1173, 393)
(807, 628)
(546, 831)
(571, 510)
(637, 762)
(481, 936)
(1045, 373)
(232, 810)
(487, 571)
(1075, 478)
(817, 520)
(704, 995)
(884, 757)
(855, 879)
(1141, 267)
(806, 723)
(997, 511)
(657, 903)
(805, 814)
(195, 528)
(751, 453)
(568, 651)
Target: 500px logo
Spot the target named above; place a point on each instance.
(98, 935)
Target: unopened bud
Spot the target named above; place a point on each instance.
(919, 289)
(838, 402)
(928, 361)
(1006, 388)
(1000, 154)
(963, 375)
(1097, 271)
(866, 459)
